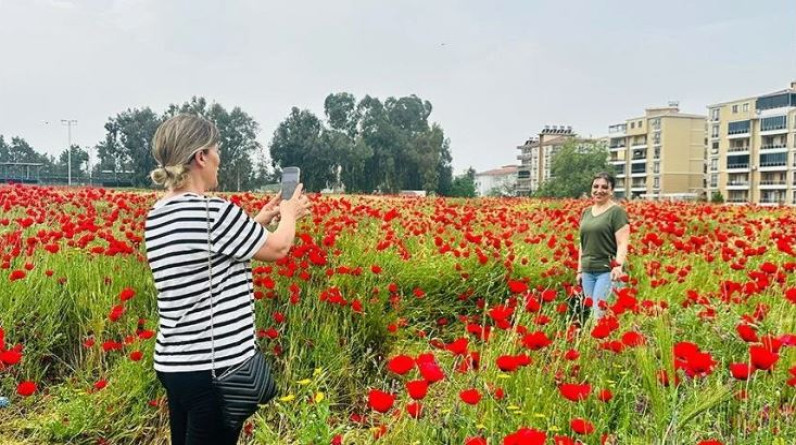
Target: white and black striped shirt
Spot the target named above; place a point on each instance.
(177, 251)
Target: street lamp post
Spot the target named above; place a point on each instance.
(68, 123)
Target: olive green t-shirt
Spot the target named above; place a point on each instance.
(598, 238)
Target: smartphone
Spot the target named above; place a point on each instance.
(290, 179)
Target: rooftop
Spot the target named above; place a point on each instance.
(502, 171)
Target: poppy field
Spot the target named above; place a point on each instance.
(402, 320)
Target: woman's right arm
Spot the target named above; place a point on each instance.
(278, 243)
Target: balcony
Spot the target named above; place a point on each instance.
(639, 144)
(779, 129)
(739, 150)
(773, 148)
(617, 130)
(741, 167)
(773, 166)
(617, 147)
(738, 185)
(772, 201)
(738, 134)
(773, 184)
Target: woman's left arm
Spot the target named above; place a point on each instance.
(622, 240)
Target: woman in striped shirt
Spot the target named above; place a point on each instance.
(187, 152)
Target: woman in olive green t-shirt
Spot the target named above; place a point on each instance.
(604, 237)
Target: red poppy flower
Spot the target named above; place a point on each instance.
(475, 441)
(526, 436)
(605, 395)
(16, 275)
(415, 409)
(136, 356)
(517, 287)
(507, 363)
(470, 396)
(741, 371)
(575, 392)
(430, 371)
(459, 346)
(747, 333)
(126, 294)
(116, 313)
(762, 357)
(26, 388)
(380, 401)
(536, 340)
(10, 357)
(401, 364)
(417, 389)
(581, 426)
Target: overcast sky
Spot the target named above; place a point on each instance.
(496, 72)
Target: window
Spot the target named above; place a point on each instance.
(738, 127)
(714, 180)
(773, 159)
(656, 182)
(734, 109)
(714, 131)
(714, 114)
(632, 125)
(777, 101)
(746, 106)
(640, 123)
(656, 154)
(714, 164)
(738, 161)
(656, 167)
(774, 123)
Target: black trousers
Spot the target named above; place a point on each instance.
(194, 410)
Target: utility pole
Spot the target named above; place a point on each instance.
(68, 123)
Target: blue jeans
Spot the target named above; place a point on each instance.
(598, 286)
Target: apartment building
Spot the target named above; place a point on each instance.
(537, 152)
(751, 154)
(659, 155)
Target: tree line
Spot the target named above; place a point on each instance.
(360, 147)
(366, 146)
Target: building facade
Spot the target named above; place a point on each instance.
(659, 155)
(536, 156)
(751, 153)
(497, 182)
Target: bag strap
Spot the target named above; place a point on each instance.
(210, 289)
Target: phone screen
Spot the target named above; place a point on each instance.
(290, 179)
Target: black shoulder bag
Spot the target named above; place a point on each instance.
(242, 387)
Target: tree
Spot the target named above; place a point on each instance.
(20, 151)
(298, 141)
(717, 197)
(572, 169)
(464, 186)
(367, 145)
(79, 162)
(128, 144)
